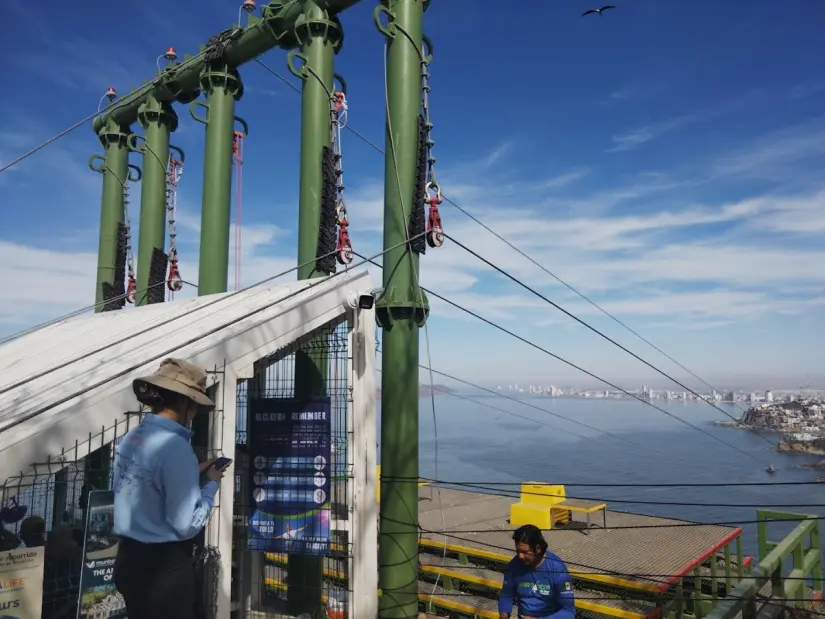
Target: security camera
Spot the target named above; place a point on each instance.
(361, 300)
(366, 301)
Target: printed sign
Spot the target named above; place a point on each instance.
(98, 596)
(21, 583)
(289, 485)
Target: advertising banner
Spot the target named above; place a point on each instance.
(98, 596)
(289, 448)
(21, 583)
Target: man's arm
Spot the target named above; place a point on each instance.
(187, 505)
(563, 589)
(507, 595)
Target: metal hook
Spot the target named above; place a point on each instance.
(179, 151)
(137, 176)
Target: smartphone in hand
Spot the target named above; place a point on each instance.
(221, 463)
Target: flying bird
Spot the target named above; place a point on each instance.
(599, 11)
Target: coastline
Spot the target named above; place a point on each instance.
(805, 449)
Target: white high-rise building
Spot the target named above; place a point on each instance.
(769, 396)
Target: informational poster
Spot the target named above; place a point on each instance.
(98, 596)
(21, 583)
(289, 448)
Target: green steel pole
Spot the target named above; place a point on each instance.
(158, 120)
(275, 28)
(320, 39)
(116, 157)
(223, 88)
(318, 49)
(115, 169)
(401, 311)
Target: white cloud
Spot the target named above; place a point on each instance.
(659, 265)
(637, 136)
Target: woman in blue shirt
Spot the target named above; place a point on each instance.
(160, 505)
(536, 580)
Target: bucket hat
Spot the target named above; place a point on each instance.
(177, 376)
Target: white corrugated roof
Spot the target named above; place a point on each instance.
(65, 380)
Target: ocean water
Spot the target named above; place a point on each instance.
(483, 446)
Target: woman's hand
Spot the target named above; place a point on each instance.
(204, 466)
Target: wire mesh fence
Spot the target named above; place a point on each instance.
(47, 508)
(299, 562)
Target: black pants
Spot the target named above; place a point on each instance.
(157, 581)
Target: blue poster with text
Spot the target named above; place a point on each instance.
(98, 596)
(289, 485)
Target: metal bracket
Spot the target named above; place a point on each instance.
(389, 308)
(301, 72)
(132, 143)
(97, 168)
(143, 148)
(179, 151)
(390, 29)
(133, 175)
(244, 125)
(305, 70)
(138, 173)
(429, 51)
(196, 104)
(341, 81)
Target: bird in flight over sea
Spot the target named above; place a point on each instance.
(599, 11)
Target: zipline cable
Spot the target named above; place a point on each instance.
(489, 229)
(587, 325)
(506, 412)
(591, 569)
(80, 311)
(15, 421)
(674, 525)
(538, 408)
(628, 485)
(51, 140)
(82, 122)
(584, 371)
(516, 493)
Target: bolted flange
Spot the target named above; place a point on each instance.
(154, 111)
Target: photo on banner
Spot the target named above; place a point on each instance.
(289, 485)
(98, 596)
(21, 583)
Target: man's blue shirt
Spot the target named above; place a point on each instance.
(541, 592)
(158, 497)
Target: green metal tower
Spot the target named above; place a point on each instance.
(320, 37)
(401, 312)
(115, 168)
(158, 120)
(223, 87)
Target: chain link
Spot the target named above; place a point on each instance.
(338, 113)
(428, 125)
(432, 190)
(130, 258)
(174, 174)
(338, 116)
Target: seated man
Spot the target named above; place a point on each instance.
(536, 580)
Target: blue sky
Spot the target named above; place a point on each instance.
(666, 159)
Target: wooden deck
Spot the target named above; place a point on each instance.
(643, 558)
(620, 573)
